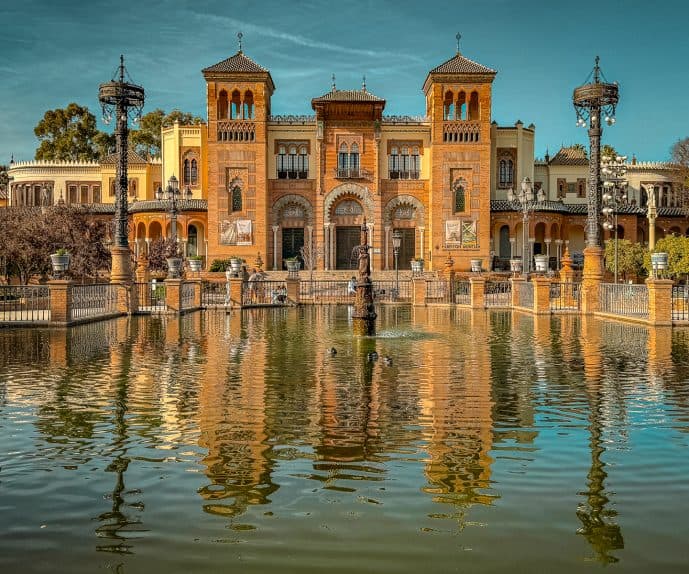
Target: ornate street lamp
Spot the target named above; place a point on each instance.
(524, 201)
(594, 103)
(613, 170)
(169, 197)
(396, 243)
(123, 99)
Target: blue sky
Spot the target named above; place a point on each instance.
(58, 51)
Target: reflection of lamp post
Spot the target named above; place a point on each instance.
(614, 194)
(396, 242)
(171, 196)
(524, 201)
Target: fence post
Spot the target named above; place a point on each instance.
(236, 291)
(541, 295)
(173, 295)
(478, 292)
(418, 291)
(659, 301)
(126, 298)
(60, 301)
(592, 279)
(198, 292)
(293, 290)
(517, 282)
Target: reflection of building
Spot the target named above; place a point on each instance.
(267, 183)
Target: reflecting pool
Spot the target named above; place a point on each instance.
(487, 442)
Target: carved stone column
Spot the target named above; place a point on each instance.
(386, 242)
(326, 246)
(421, 229)
(513, 245)
(276, 228)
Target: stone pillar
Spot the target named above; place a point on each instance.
(198, 289)
(659, 301)
(371, 242)
(547, 249)
(558, 252)
(421, 242)
(236, 292)
(592, 278)
(566, 271)
(326, 246)
(478, 292)
(516, 282)
(333, 247)
(143, 274)
(126, 299)
(513, 245)
(121, 271)
(531, 267)
(541, 295)
(60, 301)
(173, 295)
(275, 247)
(293, 291)
(418, 291)
(386, 250)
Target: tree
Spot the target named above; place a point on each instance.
(677, 249)
(158, 251)
(608, 150)
(679, 154)
(67, 135)
(311, 253)
(630, 257)
(146, 140)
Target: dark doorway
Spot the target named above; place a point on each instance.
(505, 251)
(292, 242)
(407, 246)
(347, 239)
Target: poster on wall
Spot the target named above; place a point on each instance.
(461, 233)
(236, 232)
(453, 233)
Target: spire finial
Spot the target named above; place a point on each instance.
(363, 83)
(121, 68)
(239, 41)
(596, 70)
(459, 37)
(334, 88)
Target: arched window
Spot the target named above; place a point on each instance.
(96, 194)
(194, 172)
(415, 163)
(84, 194)
(292, 162)
(236, 198)
(354, 160)
(394, 163)
(248, 105)
(404, 163)
(186, 172)
(303, 166)
(282, 162)
(343, 159)
(473, 107)
(462, 106)
(460, 197)
(449, 106)
(222, 105)
(505, 172)
(236, 105)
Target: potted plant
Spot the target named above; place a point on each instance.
(476, 265)
(417, 265)
(659, 262)
(516, 265)
(195, 262)
(60, 261)
(236, 264)
(292, 264)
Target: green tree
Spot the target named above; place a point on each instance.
(679, 154)
(67, 134)
(608, 150)
(677, 249)
(146, 140)
(630, 258)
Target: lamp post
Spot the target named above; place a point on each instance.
(396, 242)
(524, 201)
(613, 170)
(595, 102)
(122, 98)
(170, 196)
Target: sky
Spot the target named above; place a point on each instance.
(53, 52)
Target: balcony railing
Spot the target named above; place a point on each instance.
(292, 174)
(352, 173)
(394, 174)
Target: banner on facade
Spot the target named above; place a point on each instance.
(236, 232)
(461, 233)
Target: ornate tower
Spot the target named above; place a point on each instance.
(238, 93)
(458, 103)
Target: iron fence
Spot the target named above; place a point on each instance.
(462, 292)
(624, 299)
(93, 300)
(391, 291)
(187, 296)
(438, 291)
(498, 294)
(24, 303)
(524, 292)
(215, 294)
(256, 293)
(565, 296)
(325, 291)
(680, 302)
(151, 297)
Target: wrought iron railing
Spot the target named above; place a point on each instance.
(462, 291)
(352, 173)
(524, 294)
(624, 299)
(680, 303)
(187, 296)
(151, 297)
(439, 291)
(26, 303)
(565, 296)
(498, 294)
(391, 291)
(325, 291)
(93, 300)
(260, 293)
(215, 294)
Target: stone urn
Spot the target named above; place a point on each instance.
(60, 262)
(236, 266)
(417, 266)
(174, 267)
(516, 265)
(541, 262)
(476, 265)
(195, 265)
(659, 262)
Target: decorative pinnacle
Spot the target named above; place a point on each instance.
(596, 71)
(239, 41)
(459, 37)
(122, 68)
(363, 83)
(334, 83)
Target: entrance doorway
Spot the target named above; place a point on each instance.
(292, 242)
(407, 246)
(347, 239)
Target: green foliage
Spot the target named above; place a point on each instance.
(608, 150)
(630, 257)
(220, 265)
(677, 249)
(158, 251)
(146, 140)
(67, 135)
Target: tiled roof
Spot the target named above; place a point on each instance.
(582, 208)
(155, 205)
(570, 156)
(348, 96)
(458, 64)
(237, 63)
(132, 158)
